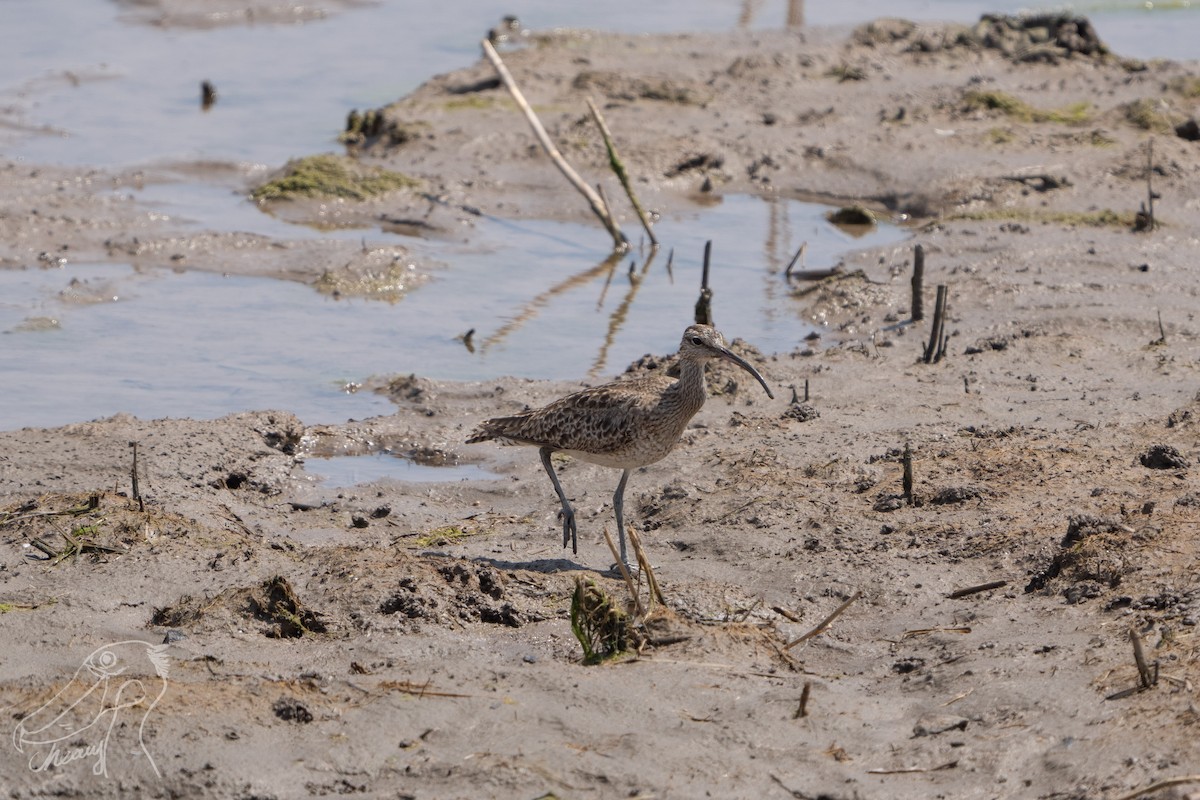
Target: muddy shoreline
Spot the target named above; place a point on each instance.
(414, 639)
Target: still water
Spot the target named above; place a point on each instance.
(111, 83)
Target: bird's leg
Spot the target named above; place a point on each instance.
(618, 509)
(570, 532)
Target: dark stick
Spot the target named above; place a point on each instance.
(806, 390)
(137, 494)
(1139, 657)
(614, 160)
(802, 709)
(1149, 177)
(787, 273)
(983, 587)
(908, 473)
(936, 343)
(704, 314)
(918, 276)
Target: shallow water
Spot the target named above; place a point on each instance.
(95, 83)
(159, 342)
(341, 471)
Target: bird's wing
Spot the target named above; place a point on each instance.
(599, 419)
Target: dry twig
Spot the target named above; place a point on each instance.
(824, 624)
(619, 168)
(599, 207)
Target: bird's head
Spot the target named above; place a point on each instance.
(703, 342)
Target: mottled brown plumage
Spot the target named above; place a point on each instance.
(626, 424)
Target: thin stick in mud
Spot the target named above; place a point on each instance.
(824, 624)
(618, 167)
(918, 278)
(599, 207)
(704, 315)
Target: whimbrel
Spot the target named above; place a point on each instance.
(625, 424)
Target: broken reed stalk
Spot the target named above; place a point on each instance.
(787, 273)
(983, 587)
(651, 582)
(614, 160)
(937, 341)
(599, 207)
(1149, 184)
(907, 480)
(802, 709)
(918, 277)
(704, 304)
(137, 494)
(629, 584)
(1145, 677)
(824, 624)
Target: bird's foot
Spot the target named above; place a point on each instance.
(570, 532)
(633, 569)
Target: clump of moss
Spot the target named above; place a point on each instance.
(1074, 114)
(1151, 115)
(1095, 219)
(1186, 85)
(603, 629)
(331, 176)
(1001, 135)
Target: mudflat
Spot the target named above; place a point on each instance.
(415, 640)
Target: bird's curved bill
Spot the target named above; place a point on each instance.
(744, 364)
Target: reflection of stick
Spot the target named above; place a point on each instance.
(825, 623)
(619, 168)
(594, 200)
(529, 311)
(617, 319)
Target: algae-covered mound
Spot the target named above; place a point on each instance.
(331, 176)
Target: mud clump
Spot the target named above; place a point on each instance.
(276, 603)
(1163, 456)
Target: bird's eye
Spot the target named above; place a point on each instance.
(697, 340)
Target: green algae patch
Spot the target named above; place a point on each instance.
(1009, 106)
(332, 176)
(1093, 219)
(1151, 115)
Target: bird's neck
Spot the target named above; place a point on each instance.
(691, 388)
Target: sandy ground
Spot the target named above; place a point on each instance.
(414, 640)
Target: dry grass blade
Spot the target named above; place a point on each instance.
(416, 689)
(629, 584)
(824, 624)
(907, 770)
(923, 631)
(636, 542)
(1157, 785)
(619, 168)
(983, 587)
